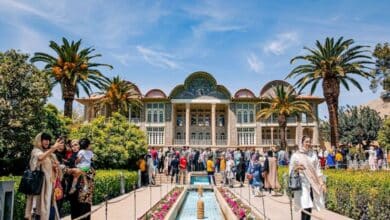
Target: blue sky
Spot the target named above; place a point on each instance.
(156, 44)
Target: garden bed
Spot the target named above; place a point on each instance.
(163, 209)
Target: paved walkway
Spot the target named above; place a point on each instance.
(278, 207)
(124, 207)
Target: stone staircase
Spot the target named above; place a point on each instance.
(161, 178)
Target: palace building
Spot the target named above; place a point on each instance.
(201, 113)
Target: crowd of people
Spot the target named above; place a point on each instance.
(68, 176)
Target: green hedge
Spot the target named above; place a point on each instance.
(357, 194)
(107, 183)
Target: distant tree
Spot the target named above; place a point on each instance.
(382, 67)
(324, 129)
(23, 93)
(72, 68)
(283, 103)
(116, 143)
(384, 135)
(54, 122)
(333, 63)
(119, 94)
(358, 124)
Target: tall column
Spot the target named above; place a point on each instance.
(188, 124)
(228, 131)
(272, 135)
(213, 142)
(299, 131)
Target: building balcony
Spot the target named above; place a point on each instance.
(136, 121)
(200, 141)
(179, 141)
(276, 141)
(221, 142)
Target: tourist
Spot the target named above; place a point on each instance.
(371, 158)
(282, 157)
(330, 160)
(229, 170)
(270, 173)
(222, 168)
(210, 170)
(254, 175)
(379, 157)
(339, 159)
(142, 174)
(160, 157)
(183, 169)
(175, 168)
(83, 164)
(151, 169)
(306, 163)
(43, 158)
(241, 169)
(322, 158)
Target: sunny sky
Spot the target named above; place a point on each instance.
(156, 44)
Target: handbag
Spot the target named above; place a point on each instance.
(294, 181)
(58, 190)
(249, 176)
(31, 182)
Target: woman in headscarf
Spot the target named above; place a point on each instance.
(306, 163)
(253, 175)
(270, 172)
(43, 158)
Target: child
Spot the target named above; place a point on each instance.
(83, 164)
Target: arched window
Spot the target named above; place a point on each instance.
(221, 120)
(149, 116)
(155, 116)
(178, 135)
(161, 116)
(245, 117)
(239, 119)
(251, 117)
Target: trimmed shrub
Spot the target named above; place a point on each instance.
(107, 184)
(357, 194)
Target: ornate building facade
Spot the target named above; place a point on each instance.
(201, 113)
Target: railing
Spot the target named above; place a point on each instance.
(266, 141)
(221, 142)
(135, 120)
(291, 142)
(179, 141)
(276, 141)
(200, 141)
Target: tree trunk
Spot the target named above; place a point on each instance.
(282, 131)
(331, 89)
(68, 93)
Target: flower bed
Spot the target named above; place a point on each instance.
(237, 206)
(161, 209)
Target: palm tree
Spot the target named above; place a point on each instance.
(283, 103)
(119, 95)
(333, 63)
(71, 68)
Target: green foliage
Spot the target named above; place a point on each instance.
(358, 124)
(54, 122)
(324, 129)
(382, 67)
(107, 183)
(116, 142)
(23, 93)
(384, 135)
(357, 194)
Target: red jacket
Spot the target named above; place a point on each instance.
(183, 163)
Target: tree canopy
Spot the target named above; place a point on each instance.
(384, 135)
(382, 67)
(116, 142)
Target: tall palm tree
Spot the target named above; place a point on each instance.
(283, 103)
(333, 63)
(72, 68)
(119, 94)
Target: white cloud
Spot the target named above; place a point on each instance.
(157, 58)
(281, 43)
(255, 63)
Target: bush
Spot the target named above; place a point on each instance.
(117, 143)
(357, 194)
(107, 183)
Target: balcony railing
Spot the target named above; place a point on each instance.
(200, 141)
(276, 141)
(266, 142)
(135, 120)
(179, 141)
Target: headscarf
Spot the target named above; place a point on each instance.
(38, 141)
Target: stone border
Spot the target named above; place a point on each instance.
(227, 211)
(174, 210)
